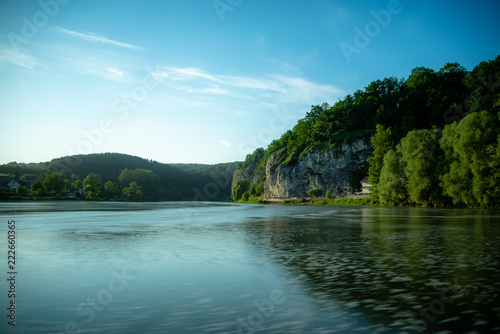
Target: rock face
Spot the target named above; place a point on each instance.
(327, 171)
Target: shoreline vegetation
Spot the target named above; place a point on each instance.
(256, 200)
(352, 202)
(311, 201)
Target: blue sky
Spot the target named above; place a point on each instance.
(208, 81)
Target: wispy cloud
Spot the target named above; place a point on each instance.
(300, 89)
(94, 38)
(225, 143)
(214, 90)
(115, 71)
(186, 74)
(284, 66)
(18, 58)
(275, 88)
(115, 74)
(108, 73)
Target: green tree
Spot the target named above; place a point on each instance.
(421, 153)
(422, 96)
(470, 149)
(77, 184)
(316, 192)
(382, 144)
(22, 191)
(55, 183)
(30, 177)
(240, 187)
(392, 186)
(379, 103)
(145, 178)
(37, 188)
(328, 195)
(456, 180)
(493, 152)
(92, 186)
(256, 189)
(484, 82)
(111, 189)
(133, 192)
(246, 196)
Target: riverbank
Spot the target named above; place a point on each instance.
(60, 198)
(312, 201)
(367, 201)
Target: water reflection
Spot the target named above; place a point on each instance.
(404, 269)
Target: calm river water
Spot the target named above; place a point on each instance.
(176, 267)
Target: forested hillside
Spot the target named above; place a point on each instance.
(452, 159)
(155, 180)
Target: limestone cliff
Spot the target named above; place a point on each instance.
(327, 171)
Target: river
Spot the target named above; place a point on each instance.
(187, 267)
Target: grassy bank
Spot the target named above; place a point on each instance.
(316, 201)
(345, 201)
(252, 200)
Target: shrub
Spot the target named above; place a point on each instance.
(246, 196)
(316, 192)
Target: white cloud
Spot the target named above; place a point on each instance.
(225, 143)
(186, 74)
(214, 90)
(182, 74)
(18, 58)
(108, 73)
(94, 38)
(114, 70)
(269, 89)
(299, 89)
(284, 66)
(112, 73)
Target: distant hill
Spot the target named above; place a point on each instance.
(178, 182)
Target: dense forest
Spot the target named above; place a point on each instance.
(118, 176)
(435, 135)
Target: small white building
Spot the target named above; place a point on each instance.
(365, 186)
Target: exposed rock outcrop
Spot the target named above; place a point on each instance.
(327, 171)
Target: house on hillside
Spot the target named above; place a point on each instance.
(13, 185)
(365, 186)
